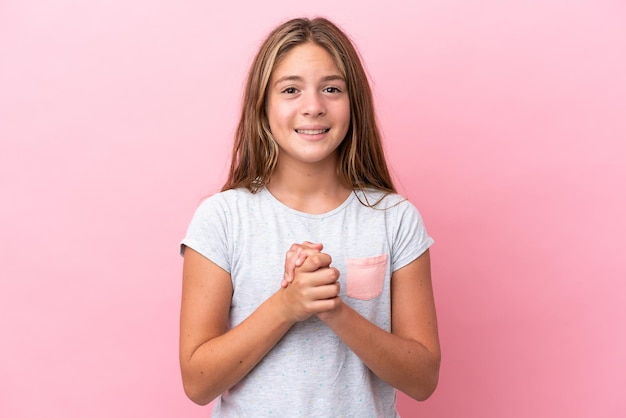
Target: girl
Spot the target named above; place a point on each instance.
(306, 280)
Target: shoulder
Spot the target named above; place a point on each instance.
(397, 209)
(231, 195)
(378, 199)
(225, 199)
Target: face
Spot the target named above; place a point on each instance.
(308, 108)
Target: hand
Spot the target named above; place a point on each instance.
(313, 290)
(295, 257)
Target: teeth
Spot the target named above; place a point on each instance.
(311, 131)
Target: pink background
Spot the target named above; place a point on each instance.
(505, 123)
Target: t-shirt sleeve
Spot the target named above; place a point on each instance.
(411, 239)
(208, 232)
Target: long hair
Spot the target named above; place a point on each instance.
(361, 162)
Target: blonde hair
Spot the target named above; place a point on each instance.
(361, 162)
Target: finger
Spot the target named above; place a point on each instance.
(316, 245)
(317, 297)
(290, 262)
(296, 256)
(304, 251)
(316, 261)
(312, 293)
(322, 277)
(328, 291)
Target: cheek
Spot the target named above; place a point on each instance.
(346, 115)
(271, 112)
(277, 117)
(271, 121)
(346, 110)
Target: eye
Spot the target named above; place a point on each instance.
(332, 90)
(289, 90)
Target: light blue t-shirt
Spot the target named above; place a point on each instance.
(310, 372)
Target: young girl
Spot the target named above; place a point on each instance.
(306, 280)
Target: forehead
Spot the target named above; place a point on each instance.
(305, 59)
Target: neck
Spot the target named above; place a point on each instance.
(311, 188)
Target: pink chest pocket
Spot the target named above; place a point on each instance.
(366, 276)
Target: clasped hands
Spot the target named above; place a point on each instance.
(309, 282)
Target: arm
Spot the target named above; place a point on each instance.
(213, 358)
(408, 357)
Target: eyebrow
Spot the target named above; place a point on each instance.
(298, 78)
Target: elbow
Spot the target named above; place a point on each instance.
(426, 390)
(197, 390)
(196, 395)
(427, 383)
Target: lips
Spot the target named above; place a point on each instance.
(312, 131)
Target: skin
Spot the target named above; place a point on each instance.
(308, 111)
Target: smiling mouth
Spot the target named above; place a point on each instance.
(312, 131)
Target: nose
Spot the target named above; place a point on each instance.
(313, 104)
